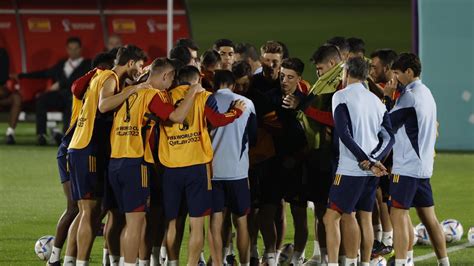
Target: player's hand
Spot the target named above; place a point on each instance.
(378, 169)
(239, 104)
(365, 165)
(390, 87)
(197, 88)
(290, 102)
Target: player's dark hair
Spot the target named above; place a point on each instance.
(386, 56)
(340, 42)
(223, 77)
(129, 52)
(74, 40)
(246, 51)
(182, 54)
(187, 74)
(241, 69)
(223, 42)
(406, 61)
(114, 51)
(103, 60)
(325, 53)
(294, 64)
(357, 68)
(272, 47)
(188, 43)
(356, 45)
(210, 58)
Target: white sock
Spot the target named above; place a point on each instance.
(114, 260)
(378, 232)
(277, 257)
(296, 256)
(173, 263)
(129, 264)
(316, 251)
(155, 255)
(163, 252)
(271, 259)
(69, 261)
(105, 256)
(400, 262)
(56, 253)
(351, 262)
(143, 263)
(410, 254)
(121, 261)
(225, 252)
(202, 258)
(333, 264)
(443, 262)
(254, 251)
(365, 264)
(11, 131)
(82, 263)
(387, 238)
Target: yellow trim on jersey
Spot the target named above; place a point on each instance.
(144, 175)
(396, 179)
(337, 180)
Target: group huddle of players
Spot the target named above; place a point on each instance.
(235, 134)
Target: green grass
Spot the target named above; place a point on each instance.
(31, 200)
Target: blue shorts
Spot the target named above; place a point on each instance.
(87, 172)
(109, 201)
(406, 192)
(62, 163)
(130, 183)
(192, 184)
(352, 193)
(233, 195)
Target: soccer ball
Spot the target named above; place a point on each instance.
(44, 247)
(470, 235)
(453, 230)
(378, 261)
(286, 252)
(422, 234)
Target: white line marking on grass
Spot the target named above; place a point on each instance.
(449, 250)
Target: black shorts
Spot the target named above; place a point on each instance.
(282, 179)
(319, 179)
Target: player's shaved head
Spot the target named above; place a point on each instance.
(188, 75)
(161, 65)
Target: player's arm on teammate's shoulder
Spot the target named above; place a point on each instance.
(217, 119)
(108, 100)
(180, 113)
